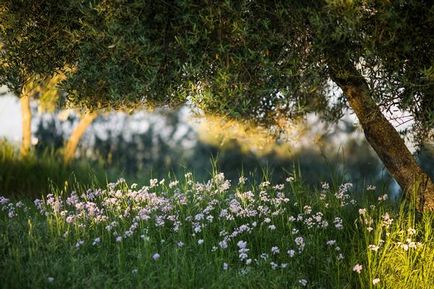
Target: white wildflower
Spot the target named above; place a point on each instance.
(225, 266)
(79, 243)
(291, 253)
(242, 244)
(325, 186)
(4, 201)
(338, 223)
(387, 220)
(156, 256)
(411, 231)
(302, 282)
(223, 244)
(307, 209)
(373, 248)
(96, 241)
(358, 268)
(376, 281)
(371, 188)
(331, 242)
(279, 187)
(290, 179)
(173, 184)
(153, 183)
(362, 211)
(275, 250)
(300, 243)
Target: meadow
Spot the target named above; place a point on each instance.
(291, 85)
(183, 233)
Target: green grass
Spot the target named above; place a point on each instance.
(54, 244)
(36, 175)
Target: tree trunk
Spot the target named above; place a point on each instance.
(383, 137)
(26, 121)
(74, 139)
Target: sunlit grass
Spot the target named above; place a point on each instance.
(218, 234)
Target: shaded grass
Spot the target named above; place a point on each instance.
(33, 176)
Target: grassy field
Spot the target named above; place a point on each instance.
(36, 175)
(217, 234)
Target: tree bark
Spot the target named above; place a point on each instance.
(383, 137)
(26, 121)
(74, 139)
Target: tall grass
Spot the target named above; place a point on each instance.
(34, 176)
(217, 234)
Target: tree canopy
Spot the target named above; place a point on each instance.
(257, 60)
(251, 59)
(34, 40)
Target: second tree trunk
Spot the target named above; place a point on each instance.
(74, 139)
(26, 122)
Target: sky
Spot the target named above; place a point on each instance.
(10, 117)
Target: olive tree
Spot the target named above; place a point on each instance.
(263, 61)
(50, 98)
(35, 51)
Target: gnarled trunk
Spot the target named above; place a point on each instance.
(74, 139)
(383, 137)
(26, 121)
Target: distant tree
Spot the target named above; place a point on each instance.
(29, 54)
(263, 61)
(33, 61)
(74, 139)
(50, 98)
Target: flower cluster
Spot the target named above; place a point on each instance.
(210, 216)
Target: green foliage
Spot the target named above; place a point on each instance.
(35, 40)
(256, 60)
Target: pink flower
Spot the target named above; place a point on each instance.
(357, 268)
